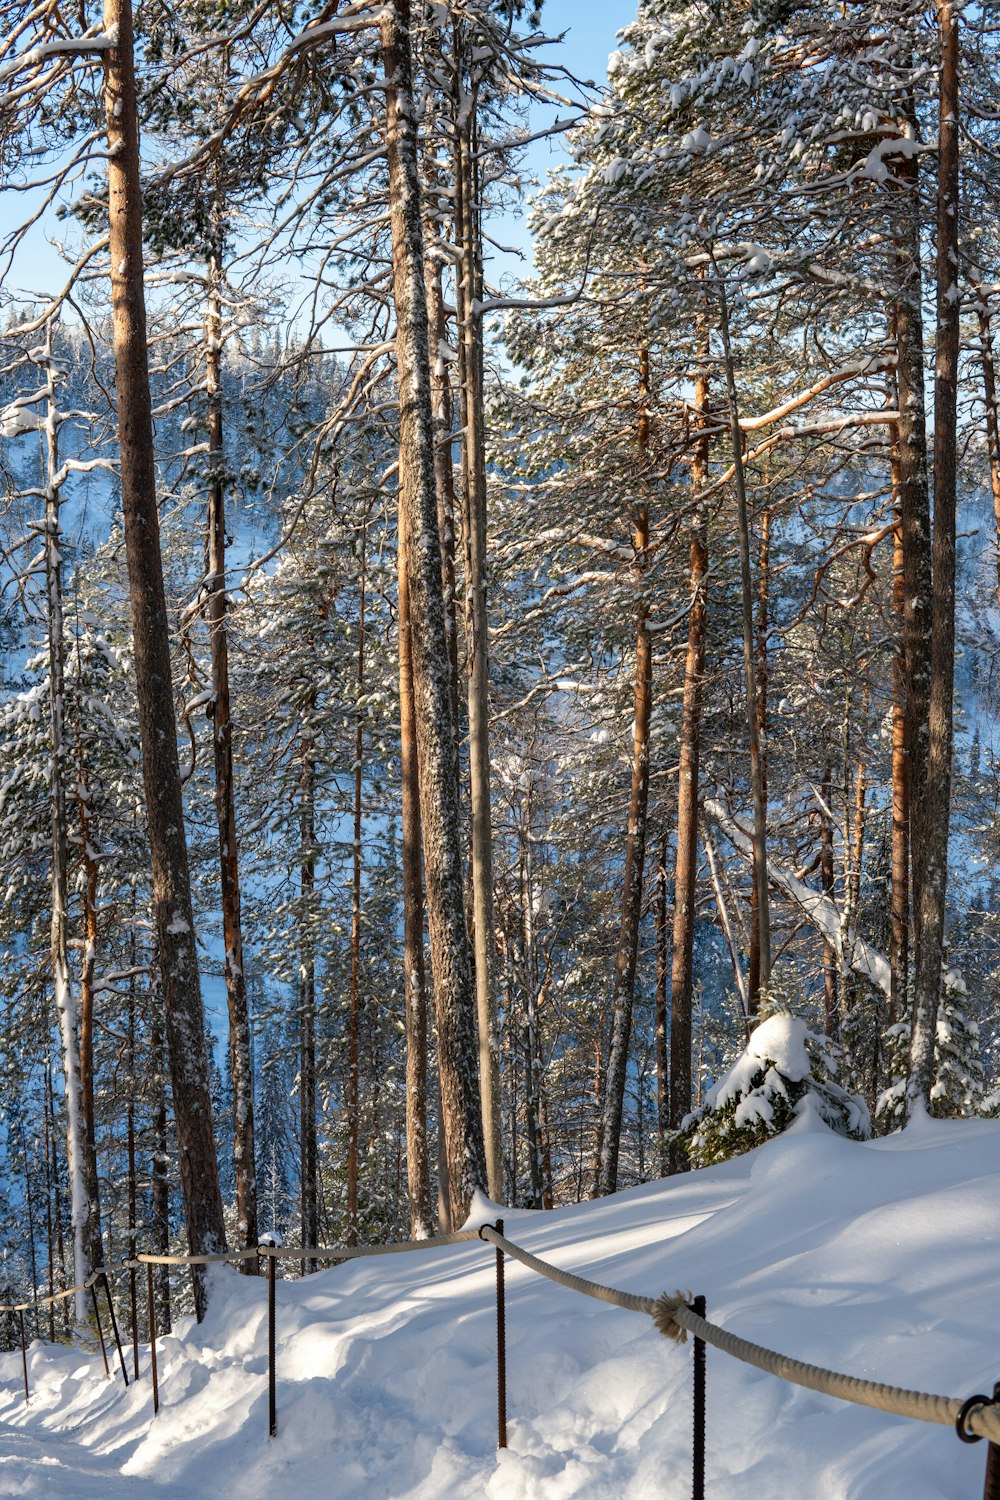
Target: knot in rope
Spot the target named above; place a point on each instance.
(665, 1310)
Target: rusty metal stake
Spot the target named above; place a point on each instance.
(992, 1486)
(24, 1356)
(698, 1307)
(501, 1347)
(272, 1407)
(152, 1335)
(100, 1330)
(114, 1326)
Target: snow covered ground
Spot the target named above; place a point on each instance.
(880, 1259)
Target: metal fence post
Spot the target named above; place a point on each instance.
(152, 1335)
(100, 1330)
(24, 1355)
(991, 1490)
(698, 1307)
(501, 1347)
(114, 1328)
(272, 1407)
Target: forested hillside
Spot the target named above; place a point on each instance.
(446, 706)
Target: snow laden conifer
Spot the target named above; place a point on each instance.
(784, 1070)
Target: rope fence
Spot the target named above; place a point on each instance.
(675, 1316)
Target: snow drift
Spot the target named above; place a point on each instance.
(876, 1258)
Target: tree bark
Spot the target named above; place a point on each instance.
(662, 1002)
(763, 608)
(635, 838)
(414, 979)
(931, 831)
(62, 984)
(354, 1020)
(308, 1154)
(240, 1048)
(686, 869)
(831, 1009)
(899, 931)
(469, 290)
(185, 1023)
(914, 512)
(758, 787)
(436, 731)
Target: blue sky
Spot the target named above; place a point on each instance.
(590, 30)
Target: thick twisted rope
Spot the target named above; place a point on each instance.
(631, 1301)
(71, 1291)
(673, 1317)
(358, 1252)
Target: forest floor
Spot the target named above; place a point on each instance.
(881, 1260)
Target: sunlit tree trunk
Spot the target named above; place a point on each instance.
(437, 748)
(172, 906)
(635, 837)
(931, 831)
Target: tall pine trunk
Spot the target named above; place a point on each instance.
(436, 730)
(469, 298)
(414, 977)
(686, 869)
(762, 944)
(931, 832)
(172, 906)
(240, 1050)
(62, 983)
(308, 1153)
(635, 837)
(914, 514)
(354, 1019)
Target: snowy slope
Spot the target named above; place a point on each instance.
(879, 1259)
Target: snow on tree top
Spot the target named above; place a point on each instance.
(780, 1040)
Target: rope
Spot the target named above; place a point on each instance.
(188, 1260)
(71, 1291)
(900, 1402)
(629, 1300)
(358, 1252)
(669, 1312)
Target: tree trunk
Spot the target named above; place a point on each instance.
(240, 1049)
(444, 469)
(160, 1179)
(62, 984)
(914, 511)
(90, 1176)
(469, 298)
(759, 789)
(436, 730)
(308, 1156)
(414, 979)
(635, 839)
(178, 959)
(686, 870)
(354, 1021)
(662, 987)
(831, 1008)
(899, 931)
(931, 831)
(763, 602)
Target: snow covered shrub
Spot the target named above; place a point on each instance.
(958, 1084)
(782, 1065)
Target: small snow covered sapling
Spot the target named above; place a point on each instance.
(782, 1065)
